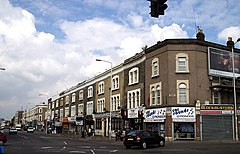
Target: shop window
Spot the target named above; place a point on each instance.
(98, 123)
(184, 130)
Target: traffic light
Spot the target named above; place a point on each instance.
(154, 8)
(162, 6)
(157, 7)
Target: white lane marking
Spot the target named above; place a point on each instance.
(65, 143)
(64, 148)
(102, 147)
(92, 151)
(77, 152)
(46, 147)
(113, 151)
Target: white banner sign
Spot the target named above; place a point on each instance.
(133, 113)
(184, 114)
(155, 115)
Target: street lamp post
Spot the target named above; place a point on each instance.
(110, 100)
(234, 92)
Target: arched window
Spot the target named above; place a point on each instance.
(182, 93)
(153, 96)
(158, 93)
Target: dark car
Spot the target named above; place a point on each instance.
(3, 138)
(143, 139)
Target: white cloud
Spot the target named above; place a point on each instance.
(233, 32)
(37, 60)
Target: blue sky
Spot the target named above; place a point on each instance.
(48, 46)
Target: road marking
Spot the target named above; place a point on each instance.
(113, 151)
(77, 152)
(65, 143)
(92, 151)
(102, 147)
(46, 147)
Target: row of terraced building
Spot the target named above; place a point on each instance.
(181, 88)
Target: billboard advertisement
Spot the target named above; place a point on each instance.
(220, 63)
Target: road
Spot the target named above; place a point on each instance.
(40, 143)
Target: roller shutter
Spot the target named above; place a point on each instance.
(217, 127)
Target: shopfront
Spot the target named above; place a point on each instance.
(217, 122)
(155, 120)
(183, 123)
(134, 120)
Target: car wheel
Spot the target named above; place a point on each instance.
(144, 145)
(128, 147)
(161, 143)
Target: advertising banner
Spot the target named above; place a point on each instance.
(220, 62)
(155, 115)
(183, 114)
(133, 113)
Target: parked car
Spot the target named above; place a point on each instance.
(144, 139)
(30, 130)
(13, 130)
(3, 138)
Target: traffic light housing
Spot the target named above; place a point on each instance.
(157, 7)
(154, 9)
(162, 6)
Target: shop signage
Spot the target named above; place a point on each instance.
(217, 109)
(184, 114)
(155, 115)
(132, 113)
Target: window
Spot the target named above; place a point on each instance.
(61, 102)
(90, 108)
(155, 94)
(182, 63)
(73, 110)
(81, 95)
(133, 99)
(158, 95)
(101, 88)
(40, 117)
(183, 92)
(100, 105)
(155, 67)
(90, 91)
(115, 102)
(40, 110)
(98, 123)
(57, 103)
(66, 111)
(67, 100)
(80, 109)
(61, 112)
(73, 97)
(52, 105)
(216, 96)
(133, 76)
(115, 82)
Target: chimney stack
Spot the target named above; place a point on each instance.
(230, 43)
(200, 35)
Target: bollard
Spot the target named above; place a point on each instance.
(1, 150)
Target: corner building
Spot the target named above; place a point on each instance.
(186, 97)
